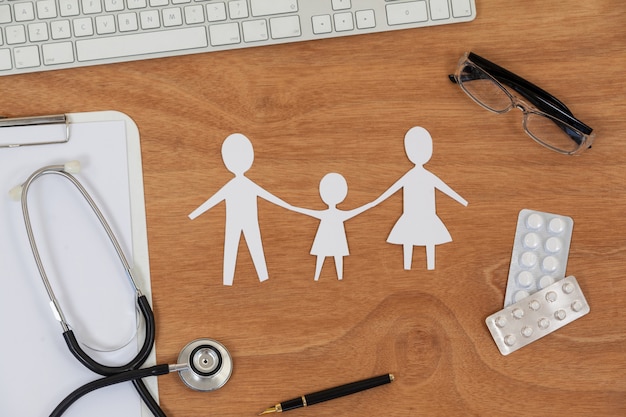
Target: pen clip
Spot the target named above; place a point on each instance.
(24, 123)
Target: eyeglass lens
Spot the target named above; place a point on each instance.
(543, 128)
(483, 89)
(551, 132)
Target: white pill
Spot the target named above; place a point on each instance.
(534, 221)
(568, 288)
(560, 314)
(556, 225)
(534, 305)
(553, 244)
(525, 279)
(517, 313)
(528, 259)
(550, 264)
(577, 306)
(543, 323)
(509, 340)
(532, 240)
(500, 321)
(551, 296)
(545, 281)
(520, 295)
(527, 331)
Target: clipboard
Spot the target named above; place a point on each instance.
(92, 287)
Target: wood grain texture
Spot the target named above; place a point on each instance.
(343, 105)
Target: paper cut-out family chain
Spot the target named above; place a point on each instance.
(418, 225)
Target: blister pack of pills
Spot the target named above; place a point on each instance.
(537, 315)
(540, 253)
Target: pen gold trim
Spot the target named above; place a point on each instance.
(329, 394)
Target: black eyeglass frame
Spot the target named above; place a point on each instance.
(541, 99)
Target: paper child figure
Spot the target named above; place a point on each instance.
(419, 224)
(240, 195)
(330, 239)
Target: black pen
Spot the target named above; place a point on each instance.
(330, 394)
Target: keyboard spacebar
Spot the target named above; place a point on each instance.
(141, 43)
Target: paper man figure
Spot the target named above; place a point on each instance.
(419, 224)
(330, 239)
(240, 195)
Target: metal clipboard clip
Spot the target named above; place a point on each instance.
(21, 138)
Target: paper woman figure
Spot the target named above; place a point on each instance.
(419, 224)
(240, 195)
(330, 239)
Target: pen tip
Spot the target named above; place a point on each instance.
(269, 411)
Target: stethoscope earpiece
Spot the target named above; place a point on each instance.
(209, 365)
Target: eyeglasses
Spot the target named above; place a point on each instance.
(546, 119)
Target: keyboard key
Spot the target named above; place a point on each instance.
(255, 30)
(106, 24)
(46, 9)
(403, 13)
(216, 12)
(194, 14)
(83, 27)
(26, 57)
(136, 4)
(113, 5)
(341, 4)
(461, 8)
(365, 19)
(91, 6)
(15, 34)
(127, 22)
(439, 9)
(322, 24)
(38, 32)
(58, 53)
(238, 9)
(285, 27)
(5, 59)
(24, 12)
(270, 7)
(343, 21)
(141, 43)
(172, 17)
(149, 19)
(224, 34)
(69, 8)
(60, 29)
(5, 13)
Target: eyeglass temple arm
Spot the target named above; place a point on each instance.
(508, 77)
(536, 95)
(528, 93)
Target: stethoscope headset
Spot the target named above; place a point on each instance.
(203, 364)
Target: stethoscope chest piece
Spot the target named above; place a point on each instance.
(210, 365)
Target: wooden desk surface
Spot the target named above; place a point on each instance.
(344, 106)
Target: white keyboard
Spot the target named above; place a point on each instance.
(47, 35)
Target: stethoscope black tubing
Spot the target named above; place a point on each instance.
(136, 362)
(148, 399)
(131, 375)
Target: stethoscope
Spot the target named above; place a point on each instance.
(203, 364)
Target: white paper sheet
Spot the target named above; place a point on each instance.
(96, 297)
